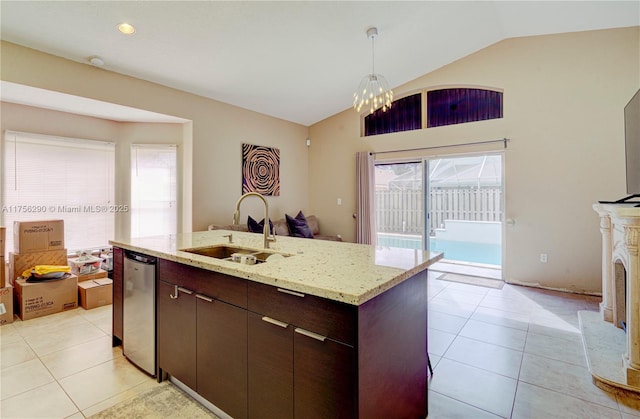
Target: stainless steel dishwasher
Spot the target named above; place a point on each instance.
(139, 309)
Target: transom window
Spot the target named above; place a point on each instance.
(405, 115)
(442, 107)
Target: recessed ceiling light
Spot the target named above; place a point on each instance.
(96, 61)
(126, 28)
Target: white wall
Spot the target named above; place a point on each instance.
(218, 131)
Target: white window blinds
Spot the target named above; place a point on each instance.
(47, 178)
(153, 190)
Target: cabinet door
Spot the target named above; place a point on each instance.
(177, 333)
(117, 307)
(222, 355)
(324, 378)
(270, 368)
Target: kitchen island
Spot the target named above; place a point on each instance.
(324, 329)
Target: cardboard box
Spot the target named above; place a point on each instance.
(85, 266)
(38, 236)
(6, 305)
(96, 275)
(3, 237)
(95, 293)
(3, 268)
(37, 299)
(2, 262)
(20, 262)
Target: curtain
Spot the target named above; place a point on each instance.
(365, 192)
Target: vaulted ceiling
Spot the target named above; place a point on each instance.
(295, 60)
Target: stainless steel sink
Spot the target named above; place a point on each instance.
(226, 252)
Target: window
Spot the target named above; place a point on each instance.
(404, 115)
(47, 177)
(443, 107)
(153, 190)
(457, 106)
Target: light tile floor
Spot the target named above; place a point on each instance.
(511, 353)
(63, 366)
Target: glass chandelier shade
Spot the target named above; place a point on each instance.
(373, 91)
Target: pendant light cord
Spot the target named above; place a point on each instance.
(373, 58)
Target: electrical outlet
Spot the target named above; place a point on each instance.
(339, 201)
(543, 257)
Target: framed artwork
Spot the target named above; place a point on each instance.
(260, 170)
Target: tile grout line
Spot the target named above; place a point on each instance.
(55, 379)
(553, 390)
(518, 381)
(467, 404)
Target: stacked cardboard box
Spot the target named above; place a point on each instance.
(37, 299)
(94, 288)
(6, 305)
(36, 243)
(99, 274)
(38, 236)
(95, 293)
(40, 243)
(20, 262)
(3, 233)
(6, 292)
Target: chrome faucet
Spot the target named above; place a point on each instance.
(236, 217)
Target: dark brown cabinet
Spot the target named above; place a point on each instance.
(310, 370)
(202, 340)
(118, 296)
(270, 368)
(222, 355)
(259, 351)
(324, 379)
(176, 336)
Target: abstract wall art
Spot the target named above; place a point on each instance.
(260, 170)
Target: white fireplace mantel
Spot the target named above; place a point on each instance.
(620, 228)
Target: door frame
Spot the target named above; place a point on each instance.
(503, 203)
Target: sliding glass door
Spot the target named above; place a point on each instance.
(399, 204)
(463, 198)
(466, 208)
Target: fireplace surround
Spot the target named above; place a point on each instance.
(620, 228)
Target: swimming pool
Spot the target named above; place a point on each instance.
(454, 250)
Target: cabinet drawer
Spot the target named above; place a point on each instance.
(212, 284)
(319, 315)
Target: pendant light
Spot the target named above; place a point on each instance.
(373, 92)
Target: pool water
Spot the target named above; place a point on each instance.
(454, 250)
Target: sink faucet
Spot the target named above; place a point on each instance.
(236, 217)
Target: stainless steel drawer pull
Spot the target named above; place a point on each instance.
(311, 334)
(276, 322)
(202, 297)
(177, 290)
(297, 294)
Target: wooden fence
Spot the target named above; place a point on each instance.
(400, 211)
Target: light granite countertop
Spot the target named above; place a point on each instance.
(347, 272)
